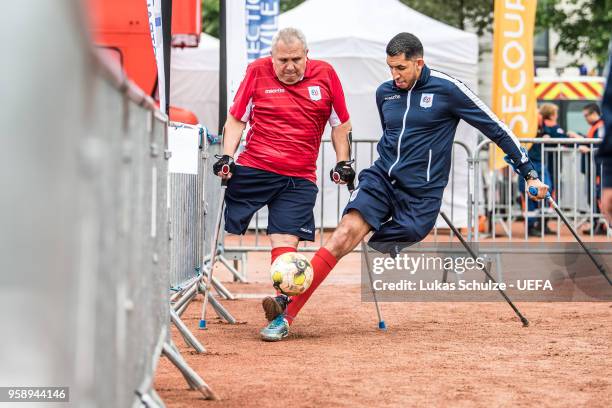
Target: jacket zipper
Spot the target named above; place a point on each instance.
(399, 140)
(429, 165)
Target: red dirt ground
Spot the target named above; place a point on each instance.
(434, 354)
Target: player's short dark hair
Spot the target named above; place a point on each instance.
(407, 44)
(592, 107)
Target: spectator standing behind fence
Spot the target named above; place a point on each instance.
(547, 128)
(287, 100)
(604, 155)
(592, 115)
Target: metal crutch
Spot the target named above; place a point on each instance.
(213, 247)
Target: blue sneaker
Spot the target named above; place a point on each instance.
(276, 330)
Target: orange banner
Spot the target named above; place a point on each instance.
(514, 98)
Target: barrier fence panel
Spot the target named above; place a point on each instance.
(332, 198)
(185, 189)
(567, 165)
(85, 215)
(124, 244)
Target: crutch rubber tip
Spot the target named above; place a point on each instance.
(382, 325)
(525, 322)
(202, 325)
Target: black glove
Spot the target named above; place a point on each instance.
(343, 172)
(224, 165)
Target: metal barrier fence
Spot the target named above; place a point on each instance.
(574, 178)
(185, 201)
(84, 292)
(489, 195)
(334, 197)
(123, 312)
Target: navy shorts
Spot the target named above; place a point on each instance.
(395, 214)
(290, 201)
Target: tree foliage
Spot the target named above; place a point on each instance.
(457, 13)
(210, 17)
(210, 14)
(584, 26)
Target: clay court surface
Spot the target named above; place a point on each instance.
(434, 354)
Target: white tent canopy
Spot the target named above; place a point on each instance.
(195, 80)
(361, 29)
(352, 36)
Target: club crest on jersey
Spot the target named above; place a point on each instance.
(427, 100)
(314, 92)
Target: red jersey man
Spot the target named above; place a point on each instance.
(287, 101)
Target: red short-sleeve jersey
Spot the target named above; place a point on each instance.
(287, 121)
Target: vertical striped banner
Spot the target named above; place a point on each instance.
(262, 23)
(251, 24)
(514, 98)
(157, 39)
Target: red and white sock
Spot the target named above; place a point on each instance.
(322, 263)
(276, 252)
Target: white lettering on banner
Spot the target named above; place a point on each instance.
(253, 47)
(261, 25)
(157, 41)
(269, 9)
(515, 5)
(514, 99)
(252, 35)
(509, 107)
(523, 121)
(521, 53)
(252, 5)
(519, 20)
(514, 58)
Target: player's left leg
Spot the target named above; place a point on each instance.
(290, 219)
(347, 236)
(368, 206)
(281, 244)
(351, 230)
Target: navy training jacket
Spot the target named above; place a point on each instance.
(419, 127)
(604, 153)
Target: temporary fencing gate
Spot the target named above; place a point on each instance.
(576, 181)
(86, 295)
(491, 196)
(332, 198)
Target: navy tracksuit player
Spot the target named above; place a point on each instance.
(399, 196)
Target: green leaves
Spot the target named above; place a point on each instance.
(584, 26)
(210, 17)
(210, 14)
(478, 13)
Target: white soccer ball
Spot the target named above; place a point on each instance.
(291, 273)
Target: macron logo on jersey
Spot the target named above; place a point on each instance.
(389, 98)
(273, 91)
